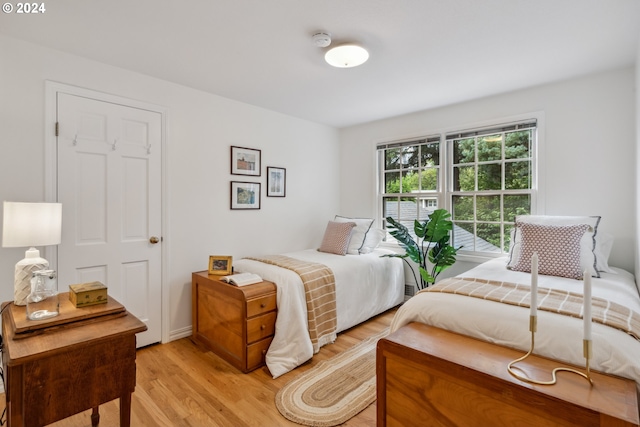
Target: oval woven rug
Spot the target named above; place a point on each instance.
(334, 390)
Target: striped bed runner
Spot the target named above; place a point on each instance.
(553, 300)
(320, 294)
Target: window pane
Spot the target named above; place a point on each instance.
(462, 208)
(463, 235)
(488, 237)
(488, 208)
(464, 178)
(427, 206)
(429, 180)
(464, 151)
(490, 177)
(392, 182)
(409, 181)
(392, 159)
(430, 154)
(390, 207)
(517, 175)
(408, 208)
(490, 148)
(410, 157)
(517, 204)
(518, 145)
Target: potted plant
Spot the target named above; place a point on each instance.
(431, 244)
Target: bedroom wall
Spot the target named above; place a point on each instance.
(200, 129)
(637, 212)
(588, 164)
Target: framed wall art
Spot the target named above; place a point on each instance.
(245, 195)
(220, 265)
(276, 181)
(245, 161)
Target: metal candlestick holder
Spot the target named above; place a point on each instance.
(587, 351)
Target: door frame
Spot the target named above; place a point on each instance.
(51, 172)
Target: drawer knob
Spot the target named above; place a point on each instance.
(263, 305)
(263, 327)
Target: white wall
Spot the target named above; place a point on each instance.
(637, 157)
(200, 129)
(588, 163)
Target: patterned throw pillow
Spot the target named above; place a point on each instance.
(589, 244)
(336, 237)
(558, 248)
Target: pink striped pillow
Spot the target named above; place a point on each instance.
(336, 237)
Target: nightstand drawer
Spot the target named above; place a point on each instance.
(261, 305)
(256, 353)
(261, 327)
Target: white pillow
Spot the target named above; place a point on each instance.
(604, 243)
(359, 232)
(373, 239)
(588, 258)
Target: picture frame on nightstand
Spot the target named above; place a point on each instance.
(220, 265)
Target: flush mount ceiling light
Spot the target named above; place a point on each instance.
(346, 56)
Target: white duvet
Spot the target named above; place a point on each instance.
(558, 337)
(366, 285)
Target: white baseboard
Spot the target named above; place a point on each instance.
(180, 333)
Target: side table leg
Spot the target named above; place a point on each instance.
(125, 410)
(95, 417)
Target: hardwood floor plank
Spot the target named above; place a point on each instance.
(182, 384)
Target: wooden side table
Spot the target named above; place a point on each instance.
(53, 373)
(235, 322)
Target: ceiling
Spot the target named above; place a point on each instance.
(423, 53)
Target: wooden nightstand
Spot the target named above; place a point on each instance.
(76, 361)
(235, 322)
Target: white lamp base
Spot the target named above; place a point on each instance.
(23, 273)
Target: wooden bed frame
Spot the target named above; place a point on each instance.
(429, 376)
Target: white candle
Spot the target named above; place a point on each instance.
(587, 305)
(534, 284)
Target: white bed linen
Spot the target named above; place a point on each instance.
(558, 337)
(366, 285)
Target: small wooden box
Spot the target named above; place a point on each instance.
(84, 294)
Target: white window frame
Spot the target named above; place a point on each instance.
(443, 194)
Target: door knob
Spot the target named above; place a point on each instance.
(154, 240)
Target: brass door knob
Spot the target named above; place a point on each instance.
(154, 240)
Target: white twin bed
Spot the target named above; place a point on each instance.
(558, 336)
(366, 285)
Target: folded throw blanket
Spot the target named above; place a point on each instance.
(554, 300)
(320, 292)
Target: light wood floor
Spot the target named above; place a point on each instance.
(182, 384)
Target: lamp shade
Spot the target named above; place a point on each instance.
(346, 56)
(31, 224)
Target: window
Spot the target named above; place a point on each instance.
(411, 179)
(489, 178)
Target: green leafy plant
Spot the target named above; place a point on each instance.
(431, 244)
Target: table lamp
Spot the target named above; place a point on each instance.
(30, 225)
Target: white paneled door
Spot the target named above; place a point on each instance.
(109, 184)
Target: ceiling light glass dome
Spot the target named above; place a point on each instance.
(347, 56)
